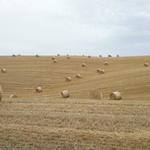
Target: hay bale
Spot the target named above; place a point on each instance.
(115, 96)
(39, 89)
(13, 96)
(78, 76)
(3, 70)
(55, 61)
(100, 71)
(146, 64)
(68, 79)
(83, 65)
(1, 93)
(53, 58)
(68, 57)
(106, 63)
(65, 94)
(37, 55)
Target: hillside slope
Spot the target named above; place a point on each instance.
(127, 75)
(46, 121)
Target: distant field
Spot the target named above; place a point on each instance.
(84, 121)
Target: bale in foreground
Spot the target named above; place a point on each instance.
(65, 94)
(115, 96)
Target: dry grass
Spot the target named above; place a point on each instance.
(87, 120)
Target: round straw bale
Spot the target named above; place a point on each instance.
(65, 94)
(68, 78)
(37, 55)
(115, 96)
(68, 57)
(3, 70)
(13, 96)
(84, 65)
(100, 71)
(78, 76)
(39, 89)
(106, 63)
(54, 61)
(146, 64)
(53, 57)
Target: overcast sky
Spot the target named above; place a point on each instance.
(75, 27)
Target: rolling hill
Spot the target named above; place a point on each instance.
(83, 121)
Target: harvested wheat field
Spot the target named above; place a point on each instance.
(87, 119)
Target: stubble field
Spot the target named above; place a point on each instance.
(85, 121)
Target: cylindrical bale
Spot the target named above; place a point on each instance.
(106, 63)
(100, 71)
(146, 64)
(39, 89)
(3, 70)
(68, 57)
(68, 79)
(13, 55)
(78, 76)
(13, 96)
(55, 61)
(53, 57)
(37, 55)
(115, 96)
(1, 93)
(83, 65)
(65, 94)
